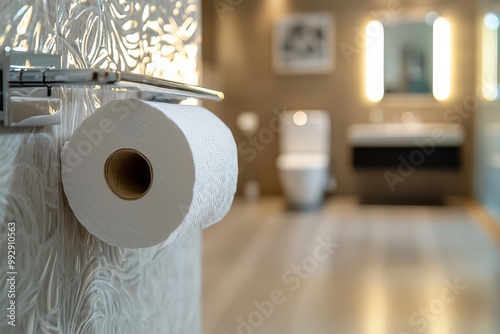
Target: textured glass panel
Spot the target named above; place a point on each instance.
(29, 25)
(159, 38)
(68, 281)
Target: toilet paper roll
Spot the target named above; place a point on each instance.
(138, 173)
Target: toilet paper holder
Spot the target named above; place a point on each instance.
(29, 82)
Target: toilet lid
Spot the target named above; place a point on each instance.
(294, 161)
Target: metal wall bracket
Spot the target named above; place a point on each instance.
(29, 94)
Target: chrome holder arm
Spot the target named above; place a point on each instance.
(41, 72)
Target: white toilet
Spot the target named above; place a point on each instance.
(303, 164)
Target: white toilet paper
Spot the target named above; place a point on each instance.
(138, 173)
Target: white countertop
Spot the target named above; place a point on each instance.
(405, 135)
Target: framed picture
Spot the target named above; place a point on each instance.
(303, 44)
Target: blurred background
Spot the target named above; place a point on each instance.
(368, 135)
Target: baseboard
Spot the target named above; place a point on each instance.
(484, 218)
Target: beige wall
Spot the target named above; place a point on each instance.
(237, 54)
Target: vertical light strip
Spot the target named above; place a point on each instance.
(442, 59)
(374, 62)
(490, 57)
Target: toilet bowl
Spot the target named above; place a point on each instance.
(304, 178)
(303, 165)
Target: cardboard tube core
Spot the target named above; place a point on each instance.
(128, 173)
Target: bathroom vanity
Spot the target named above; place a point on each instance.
(412, 162)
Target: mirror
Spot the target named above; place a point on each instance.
(408, 56)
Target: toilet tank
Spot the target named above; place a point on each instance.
(305, 131)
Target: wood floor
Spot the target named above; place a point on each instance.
(350, 268)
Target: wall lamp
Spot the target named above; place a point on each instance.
(489, 68)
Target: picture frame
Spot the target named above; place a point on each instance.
(302, 44)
